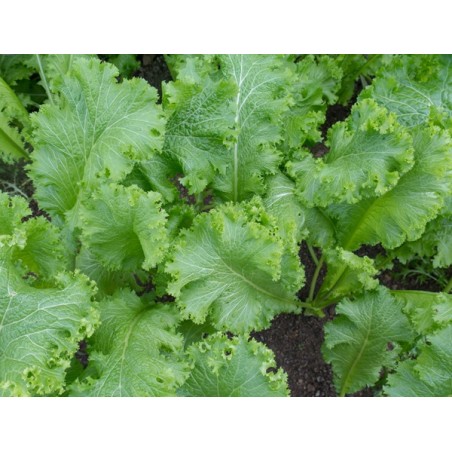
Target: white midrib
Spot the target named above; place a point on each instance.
(236, 145)
(124, 350)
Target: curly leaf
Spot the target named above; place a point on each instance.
(403, 212)
(11, 111)
(347, 274)
(135, 352)
(368, 154)
(435, 243)
(35, 245)
(261, 99)
(430, 374)
(40, 330)
(232, 266)
(314, 88)
(405, 382)
(201, 115)
(427, 311)
(99, 128)
(234, 367)
(416, 88)
(356, 340)
(124, 227)
(281, 202)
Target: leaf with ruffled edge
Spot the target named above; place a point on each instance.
(40, 330)
(233, 267)
(200, 116)
(262, 97)
(124, 227)
(347, 274)
(35, 245)
(403, 212)
(417, 88)
(368, 154)
(427, 311)
(281, 202)
(98, 129)
(435, 243)
(315, 86)
(135, 352)
(430, 374)
(356, 340)
(12, 112)
(236, 367)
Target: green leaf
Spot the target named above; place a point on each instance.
(135, 352)
(435, 243)
(233, 268)
(416, 88)
(405, 382)
(107, 281)
(127, 64)
(226, 119)
(430, 374)
(198, 127)
(11, 112)
(434, 363)
(262, 98)
(368, 154)
(427, 311)
(403, 212)
(124, 227)
(35, 245)
(347, 274)
(14, 68)
(98, 129)
(357, 67)
(281, 202)
(356, 340)
(234, 367)
(40, 330)
(314, 88)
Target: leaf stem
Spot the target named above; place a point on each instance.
(44, 79)
(315, 277)
(448, 287)
(312, 253)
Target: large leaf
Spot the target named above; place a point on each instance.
(99, 128)
(261, 99)
(135, 352)
(234, 268)
(234, 367)
(201, 116)
(356, 341)
(226, 119)
(40, 330)
(124, 228)
(403, 212)
(416, 88)
(368, 154)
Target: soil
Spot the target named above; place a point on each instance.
(295, 340)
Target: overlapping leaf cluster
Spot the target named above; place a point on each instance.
(176, 224)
